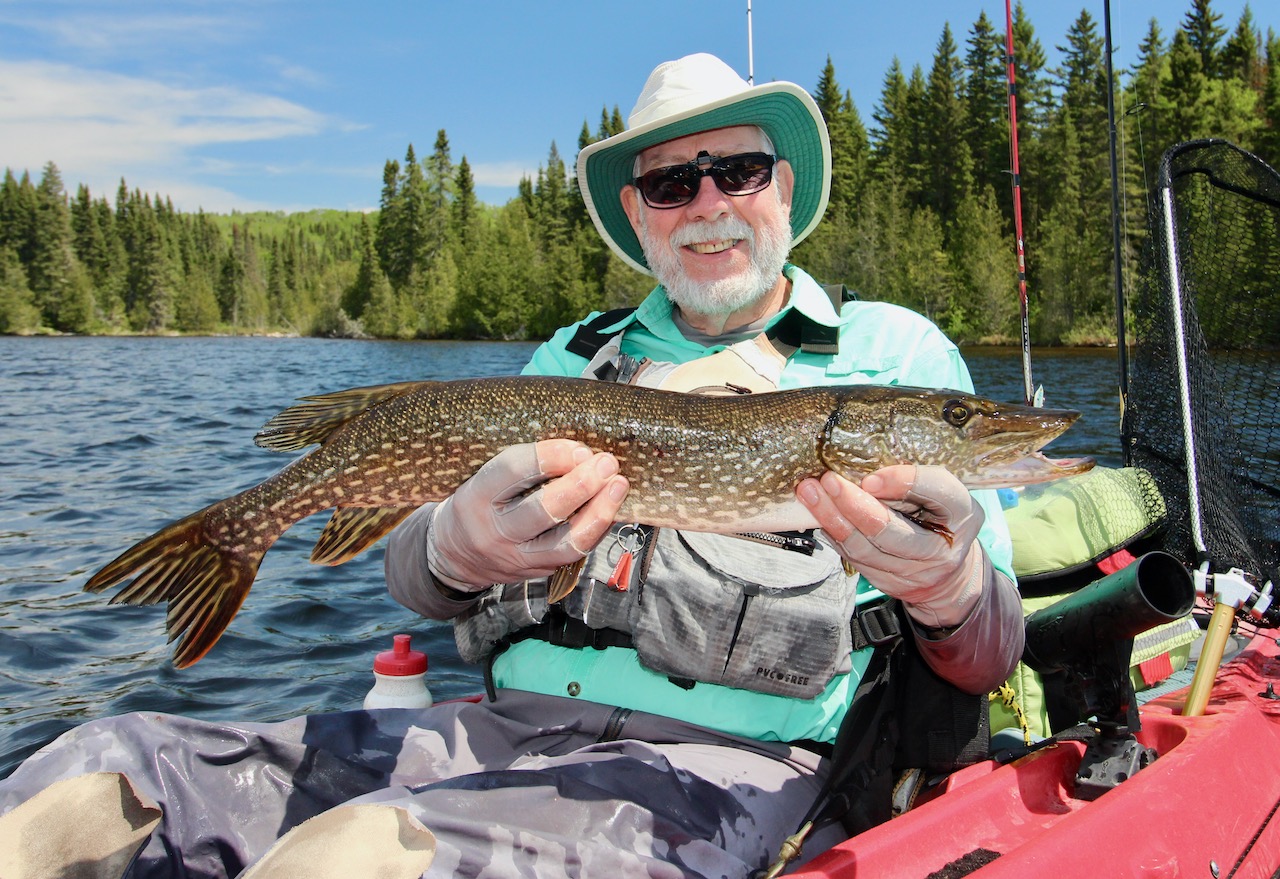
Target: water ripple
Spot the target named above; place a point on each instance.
(147, 430)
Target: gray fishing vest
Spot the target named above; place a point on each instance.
(765, 613)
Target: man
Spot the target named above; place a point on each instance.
(692, 193)
(672, 715)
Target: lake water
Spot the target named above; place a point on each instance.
(104, 440)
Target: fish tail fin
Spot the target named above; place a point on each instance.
(204, 583)
(352, 530)
(316, 417)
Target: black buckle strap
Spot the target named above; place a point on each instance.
(876, 624)
(591, 336)
(561, 630)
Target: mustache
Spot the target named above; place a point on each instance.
(713, 230)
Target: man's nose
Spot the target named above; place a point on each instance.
(708, 202)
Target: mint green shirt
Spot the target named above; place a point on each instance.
(879, 344)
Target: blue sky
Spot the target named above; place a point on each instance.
(290, 105)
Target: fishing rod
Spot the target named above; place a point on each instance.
(1116, 243)
(751, 64)
(1028, 392)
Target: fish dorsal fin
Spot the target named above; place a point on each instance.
(352, 530)
(313, 419)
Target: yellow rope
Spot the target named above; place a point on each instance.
(1009, 697)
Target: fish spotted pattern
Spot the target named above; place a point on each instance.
(723, 464)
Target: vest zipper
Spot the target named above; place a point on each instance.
(790, 540)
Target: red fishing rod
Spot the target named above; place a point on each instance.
(1028, 392)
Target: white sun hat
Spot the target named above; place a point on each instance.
(701, 93)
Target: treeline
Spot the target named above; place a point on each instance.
(921, 211)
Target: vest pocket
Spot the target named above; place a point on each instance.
(742, 614)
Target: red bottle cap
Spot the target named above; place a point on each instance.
(400, 660)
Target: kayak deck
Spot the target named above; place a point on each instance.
(1210, 799)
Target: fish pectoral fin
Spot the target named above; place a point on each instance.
(352, 530)
(316, 417)
(564, 580)
(936, 527)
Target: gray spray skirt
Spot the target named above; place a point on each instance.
(527, 785)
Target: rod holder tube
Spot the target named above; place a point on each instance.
(1152, 590)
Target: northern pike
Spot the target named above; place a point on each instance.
(724, 464)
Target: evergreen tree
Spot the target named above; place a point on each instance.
(440, 195)
(151, 281)
(409, 237)
(434, 315)
(370, 274)
(905, 163)
(918, 211)
(195, 309)
(888, 136)
(1146, 96)
(230, 290)
(1072, 270)
(88, 238)
(1035, 94)
(466, 206)
(552, 206)
(14, 219)
(389, 231)
(986, 102)
(1241, 57)
(18, 313)
(1036, 104)
(1082, 79)
(850, 151)
(18, 208)
(984, 265)
(61, 291)
(384, 315)
(1183, 103)
(498, 301)
(1269, 136)
(1204, 34)
(946, 156)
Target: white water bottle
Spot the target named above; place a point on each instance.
(399, 678)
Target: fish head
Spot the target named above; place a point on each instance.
(986, 444)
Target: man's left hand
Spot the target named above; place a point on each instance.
(910, 531)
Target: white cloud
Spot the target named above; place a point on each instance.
(502, 173)
(130, 113)
(185, 194)
(93, 123)
(296, 74)
(120, 33)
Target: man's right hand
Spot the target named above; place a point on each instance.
(531, 509)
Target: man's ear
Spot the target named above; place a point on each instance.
(785, 179)
(631, 205)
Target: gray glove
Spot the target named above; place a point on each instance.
(531, 509)
(928, 556)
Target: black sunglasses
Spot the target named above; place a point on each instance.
(677, 185)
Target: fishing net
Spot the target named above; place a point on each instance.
(1205, 325)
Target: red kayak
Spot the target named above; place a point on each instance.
(1206, 807)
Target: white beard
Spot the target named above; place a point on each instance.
(723, 296)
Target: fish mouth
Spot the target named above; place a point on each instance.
(1029, 469)
(1011, 453)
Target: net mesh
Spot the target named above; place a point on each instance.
(1206, 312)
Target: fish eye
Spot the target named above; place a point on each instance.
(956, 412)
